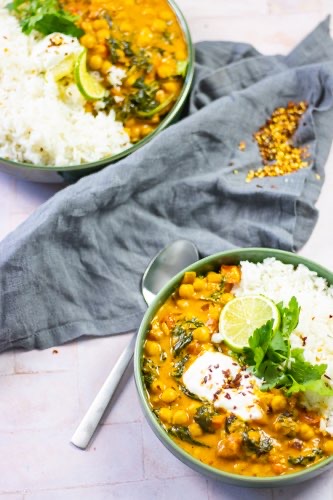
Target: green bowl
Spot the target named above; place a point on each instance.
(205, 265)
(71, 173)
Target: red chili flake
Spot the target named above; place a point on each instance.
(246, 376)
(227, 396)
(216, 366)
(331, 316)
(216, 394)
(226, 373)
(205, 379)
(303, 340)
(55, 351)
(235, 408)
(234, 364)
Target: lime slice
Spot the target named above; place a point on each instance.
(89, 87)
(242, 315)
(62, 69)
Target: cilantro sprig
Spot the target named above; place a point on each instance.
(272, 359)
(45, 16)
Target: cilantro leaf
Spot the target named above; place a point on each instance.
(271, 358)
(45, 16)
(289, 316)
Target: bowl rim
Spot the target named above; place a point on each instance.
(235, 254)
(167, 120)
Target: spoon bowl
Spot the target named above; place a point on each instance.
(166, 264)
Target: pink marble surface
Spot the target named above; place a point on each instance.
(44, 394)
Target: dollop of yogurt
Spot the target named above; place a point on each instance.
(218, 378)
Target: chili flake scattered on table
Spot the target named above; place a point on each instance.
(279, 154)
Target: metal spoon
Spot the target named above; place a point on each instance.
(168, 262)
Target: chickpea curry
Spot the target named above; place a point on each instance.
(143, 41)
(273, 435)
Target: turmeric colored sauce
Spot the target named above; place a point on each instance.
(144, 39)
(286, 439)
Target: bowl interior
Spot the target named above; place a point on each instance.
(205, 265)
(166, 121)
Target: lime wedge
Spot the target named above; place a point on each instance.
(89, 87)
(242, 315)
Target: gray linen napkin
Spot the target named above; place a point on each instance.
(74, 267)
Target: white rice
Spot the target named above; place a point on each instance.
(42, 121)
(314, 332)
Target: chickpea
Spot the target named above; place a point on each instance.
(125, 27)
(169, 395)
(101, 50)
(86, 26)
(180, 417)
(192, 408)
(328, 447)
(199, 284)
(166, 15)
(160, 96)
(152, 348)
(102, 35)
(165, 415)
(144, 37)
(214, 277)
(106, 66)
(95, 62)
(155, 334)
(146, 129)
(201, 334)
(165, 329)
(172, 87)
(278, 403)
(165, 70)
(305, 432)
(195, 430)
(88, 41)
(100, 24)
(158, 25)
(186, 291)
(183, 304)
(226, 297)
(180, 55)
(157, 386)
(189, 277)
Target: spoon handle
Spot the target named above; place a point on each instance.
(90, 421)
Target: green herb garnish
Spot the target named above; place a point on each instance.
(45, 16)
(272, 359)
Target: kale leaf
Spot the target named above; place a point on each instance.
(183, 433)
(204, 416)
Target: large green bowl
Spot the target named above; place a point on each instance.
(56, 174)
(204, 265)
